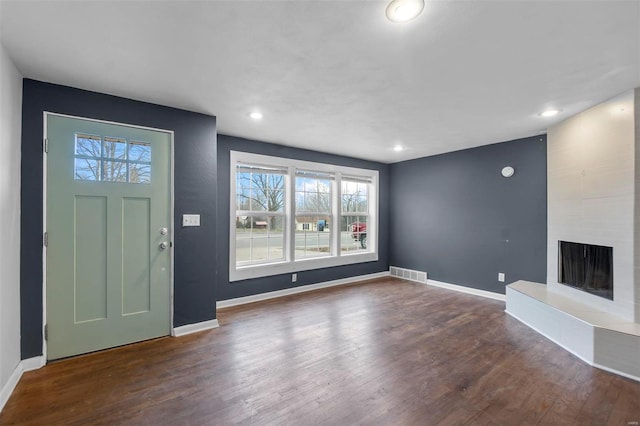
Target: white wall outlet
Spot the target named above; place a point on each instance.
(190, 220)
(501, 277)
(294, 278)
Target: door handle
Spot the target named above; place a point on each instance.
(163, 245)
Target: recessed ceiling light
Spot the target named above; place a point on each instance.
(256, 115)
(404, 10)
(550, 113)
(398, 148)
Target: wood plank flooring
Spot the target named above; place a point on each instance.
(384, 352)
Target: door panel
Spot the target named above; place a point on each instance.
(108, 198)
(136, 283)
(90, 258)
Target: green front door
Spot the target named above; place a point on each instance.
(108, 212)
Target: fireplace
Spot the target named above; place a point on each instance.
(586, 267)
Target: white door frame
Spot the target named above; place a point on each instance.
(45, 114)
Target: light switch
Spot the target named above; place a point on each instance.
(190, 220)
(501, 277)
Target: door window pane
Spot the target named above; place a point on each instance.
(114, 171)
(111, 159)
(139, 151)
(87, 169)
(88, 146)
(139, 173)
(115, 148)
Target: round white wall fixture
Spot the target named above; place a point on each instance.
(508, 171)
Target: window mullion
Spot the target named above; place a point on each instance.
(233, 214)
(291, 215)
(372, 211)
(335, 214)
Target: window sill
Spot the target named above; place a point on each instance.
(259, 271)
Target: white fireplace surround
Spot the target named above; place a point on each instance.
(591, 185)
(593, 197)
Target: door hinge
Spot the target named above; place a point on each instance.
(46, 332)
(45, 145)
(45, 239)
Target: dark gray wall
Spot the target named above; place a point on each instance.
(451, 215)
(455, 217)
(227, 290)
(195, 192)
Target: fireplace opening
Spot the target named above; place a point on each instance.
(586, 267)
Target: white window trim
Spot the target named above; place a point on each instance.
(290, 265)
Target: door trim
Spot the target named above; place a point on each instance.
(45, 114)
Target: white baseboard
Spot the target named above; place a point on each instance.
(11, 384)
(24, 365)
(286, 292)
(34, 363)
(194, 328)
(468, 290)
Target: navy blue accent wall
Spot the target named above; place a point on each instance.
(455, 217)
(227, 290)
(195, 192)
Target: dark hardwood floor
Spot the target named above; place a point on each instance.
(385, 352)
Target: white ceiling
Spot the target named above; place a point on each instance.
(337, 76)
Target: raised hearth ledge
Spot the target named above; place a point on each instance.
(598, 338)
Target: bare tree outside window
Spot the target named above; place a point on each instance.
(260, 192)
(260, 216)
(315, 196)
(88, 154)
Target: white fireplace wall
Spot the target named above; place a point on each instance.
(592, 175)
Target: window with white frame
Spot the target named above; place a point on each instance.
(313, 214)
(354, 217)
(290, 215)
(260, 214)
